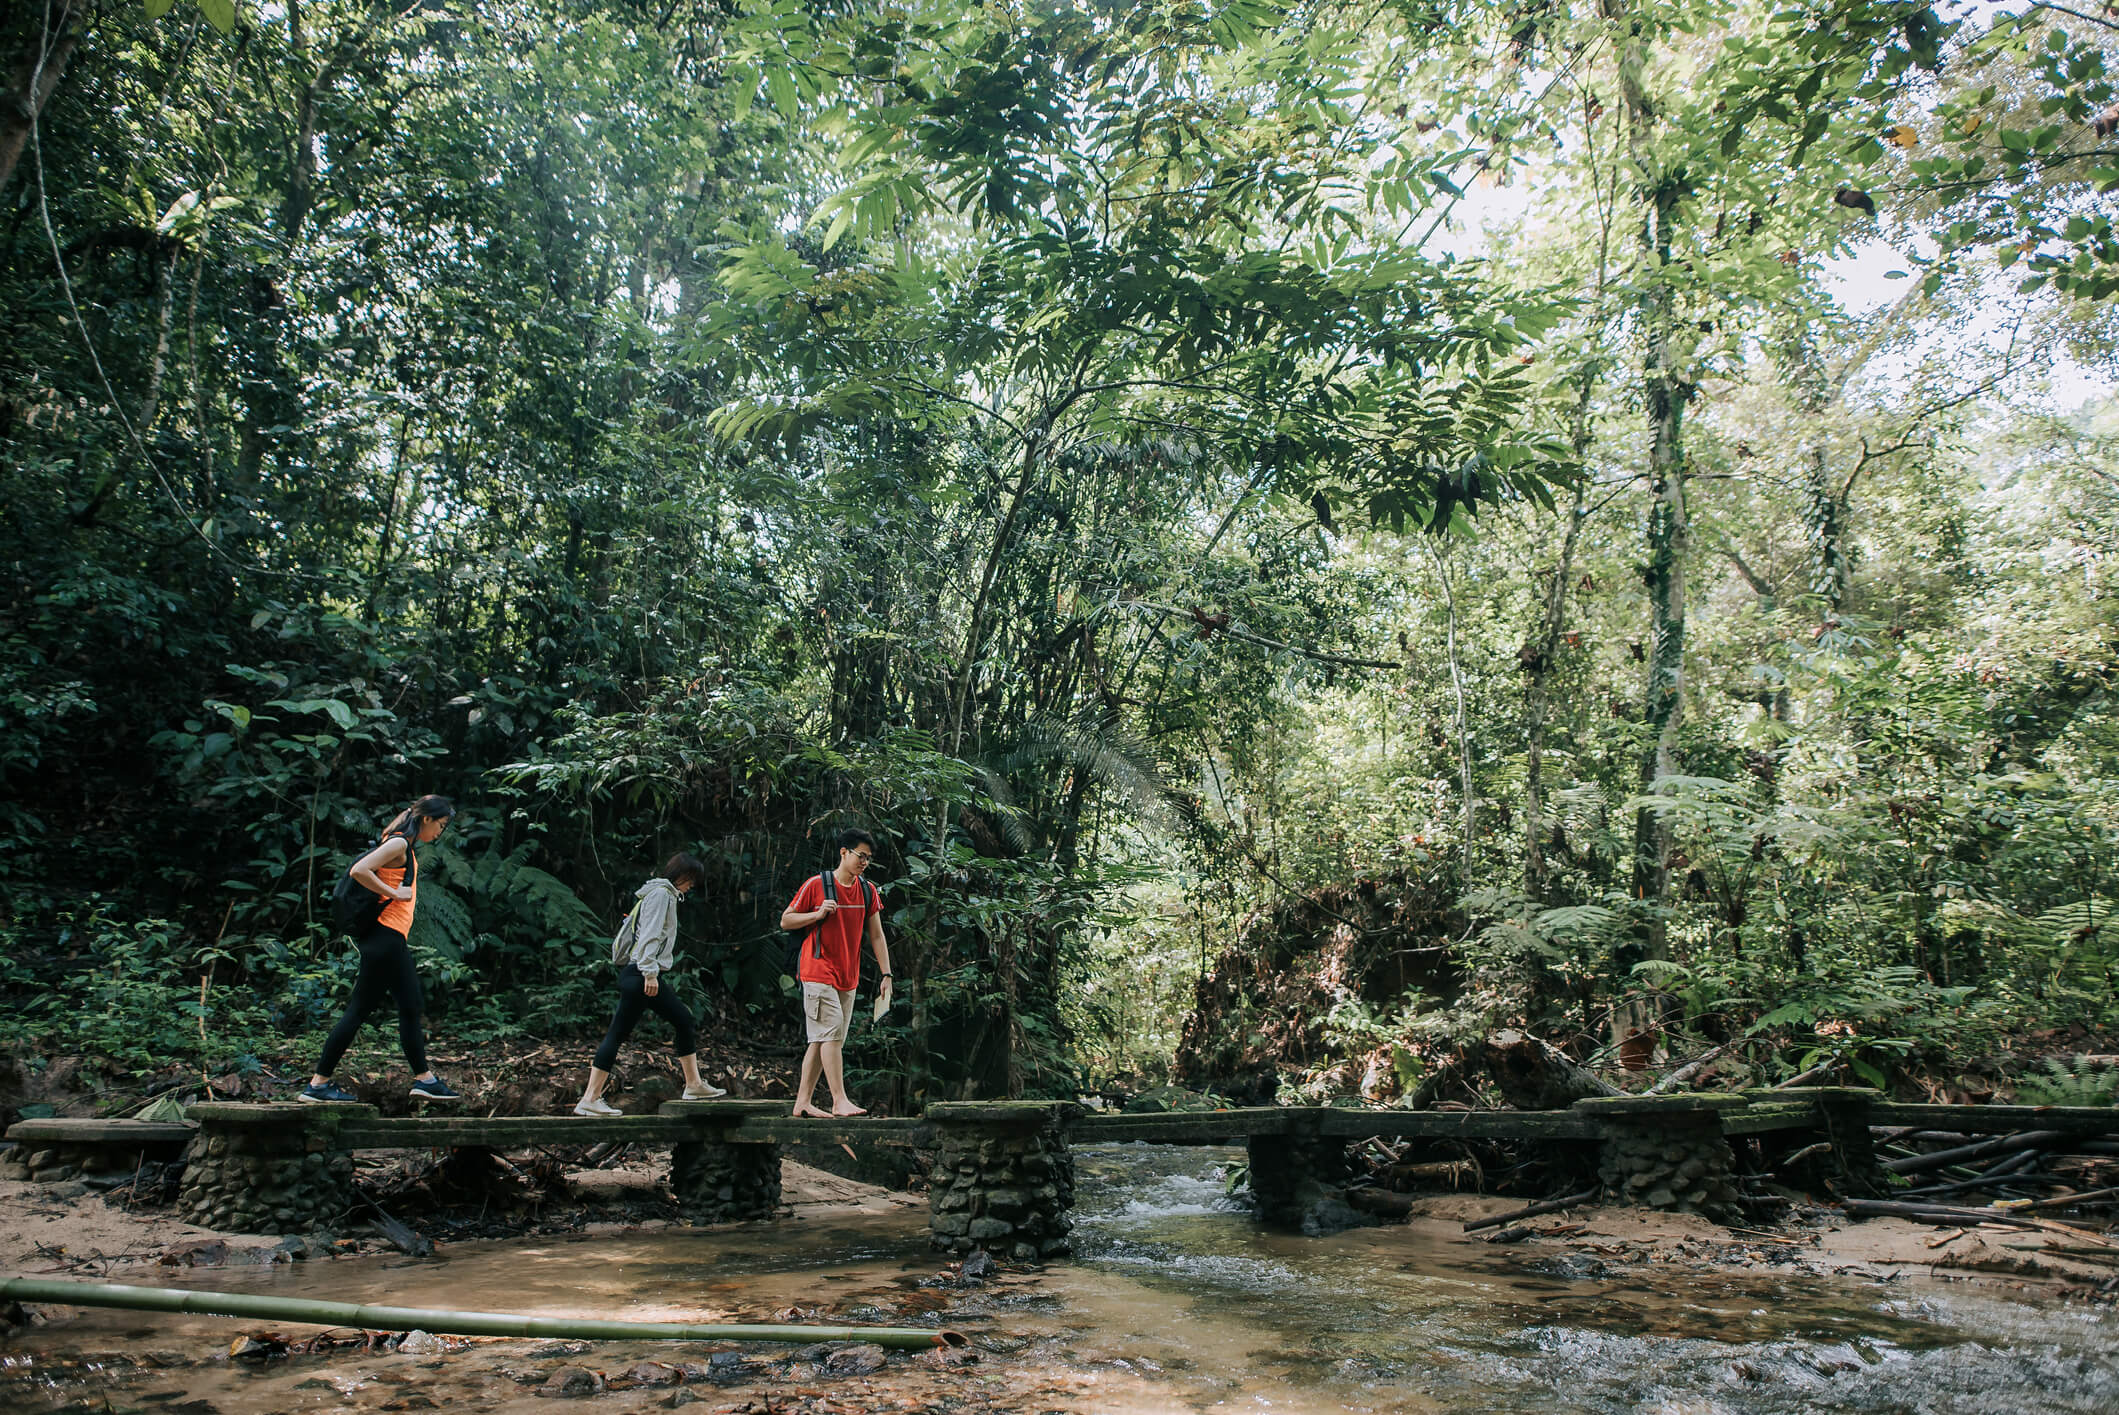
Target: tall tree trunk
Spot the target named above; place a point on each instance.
(1665, 391)
(34, 77)
(1538, 662)
(1668, 541)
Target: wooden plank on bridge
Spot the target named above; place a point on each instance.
(60, 1130)
(810, 1130)
(1999, 1119)
(1767, 1117)
(510, 1132)
(1182, 1127)
(1458, 1124)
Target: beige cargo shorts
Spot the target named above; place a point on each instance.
(827, 1012)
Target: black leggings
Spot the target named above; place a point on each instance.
(386, 971)
(632, 1001)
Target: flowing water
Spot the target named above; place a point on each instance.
(1176, 1302)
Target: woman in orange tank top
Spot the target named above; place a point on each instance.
(390, 870)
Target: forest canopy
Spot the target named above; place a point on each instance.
(1327, 528)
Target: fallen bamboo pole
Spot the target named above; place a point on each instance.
(2062, 1201)
(1934, 1213)
(1549, 1206)
(1999, 1145)
(441, 1320)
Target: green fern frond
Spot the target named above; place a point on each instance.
(2080, 1080)
(442, 922)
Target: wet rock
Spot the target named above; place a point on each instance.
(977, 1268)
(253, 1348)
(1511, 1235)
(863, 1360)
(200, 1253)
(1333, 1214)
(572, 1382)
(414, 1401)
(816, 1351)
(654, 1373)
(419, 1343)
(678, 1399)
(947, 1356)
(524, 1375)
(559, 1348)
(318, 1383)
(1574, 1267)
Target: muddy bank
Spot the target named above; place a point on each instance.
(1594, 1242)
(70, 1230)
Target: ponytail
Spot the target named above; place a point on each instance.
(407, 821)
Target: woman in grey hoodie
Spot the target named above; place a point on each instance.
(644, 949)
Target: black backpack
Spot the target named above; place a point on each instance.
(355, 908)
(791, 959)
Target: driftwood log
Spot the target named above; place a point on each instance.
(1534, 1075)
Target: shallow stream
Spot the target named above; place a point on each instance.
(1176, 1302)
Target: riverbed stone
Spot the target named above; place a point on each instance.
(1003, 1178)
(269, 1168)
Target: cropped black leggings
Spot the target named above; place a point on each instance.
(632, 1001)
(386, 971)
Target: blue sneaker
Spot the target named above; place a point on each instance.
(434, 1090)
(327, 1094)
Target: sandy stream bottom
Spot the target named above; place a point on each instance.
(1177, 1303)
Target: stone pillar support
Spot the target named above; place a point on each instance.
(717, 1174)
(1297, 1178)
(1847, 1166)
(269, 1168)
(1667, 1152)
(1003, 1178)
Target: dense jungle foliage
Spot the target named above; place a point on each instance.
(1403, 493)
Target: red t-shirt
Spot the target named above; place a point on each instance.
(839, 933)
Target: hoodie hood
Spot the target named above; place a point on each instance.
(658, 882)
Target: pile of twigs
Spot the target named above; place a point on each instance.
(2032, 1169)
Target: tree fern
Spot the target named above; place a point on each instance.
(2081, 1080)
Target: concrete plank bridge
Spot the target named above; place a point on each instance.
(1002, 1172)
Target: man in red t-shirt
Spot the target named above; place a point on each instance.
(831, 965)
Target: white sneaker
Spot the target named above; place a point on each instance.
(703, 1092)
(598, 1106)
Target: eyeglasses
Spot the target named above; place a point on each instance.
(863, 856)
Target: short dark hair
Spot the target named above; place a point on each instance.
(682, 867)
(853, 835)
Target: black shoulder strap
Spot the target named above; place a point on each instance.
(816, 935)
(411, 864)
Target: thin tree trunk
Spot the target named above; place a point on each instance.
(397, 482)
(1464, 731)
(165, 308)
(33, 79)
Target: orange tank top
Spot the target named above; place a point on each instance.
(397, 913)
